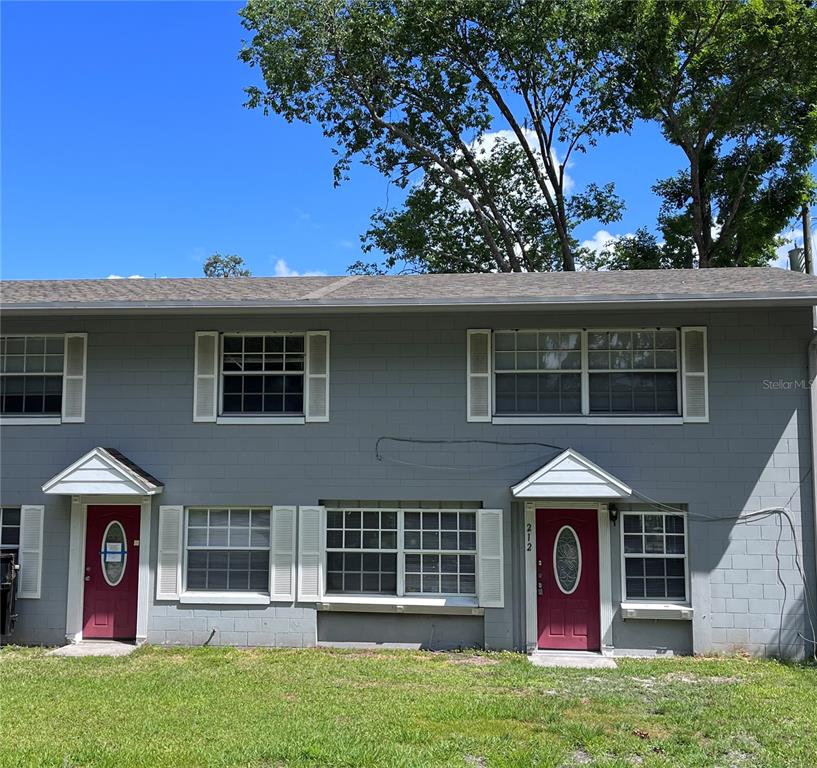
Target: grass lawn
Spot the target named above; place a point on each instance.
(228, 707)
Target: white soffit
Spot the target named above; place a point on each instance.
(103, 471)
(571, 476)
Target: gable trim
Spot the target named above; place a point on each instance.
(571, 476)
(101, 472)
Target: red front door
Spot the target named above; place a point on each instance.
(567, 557)
(111, 573)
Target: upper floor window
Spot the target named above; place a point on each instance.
(31, 373)
(263, 374)
(580, 372)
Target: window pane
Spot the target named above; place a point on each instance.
(633, 544)
(632, 524)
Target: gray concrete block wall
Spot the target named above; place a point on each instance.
(429, 632)
(274, 625)
(404, 375)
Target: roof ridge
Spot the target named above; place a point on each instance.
(319, 293)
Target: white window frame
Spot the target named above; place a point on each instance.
(401, 551)
(30, 419)
(586, 417)
(226, 596)
(238, 418)
(633, 603)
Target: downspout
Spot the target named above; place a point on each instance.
(812, 376)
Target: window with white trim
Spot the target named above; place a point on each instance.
(587, 372)
(440, 552)
(365, 551)
(31, 371)
(538, 372)
(634, 371)
(262, 374)
(10, 531)
(654, 554)
(227, 549)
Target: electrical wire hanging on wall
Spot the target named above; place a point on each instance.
(781, 513)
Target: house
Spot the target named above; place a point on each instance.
(559, 461)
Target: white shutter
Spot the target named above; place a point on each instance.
(490, 570)
(479, 375)
(695, 384)
(282, 550)
(73, 379)
(316, 397)
(205, 384)
(31, 551)
(169, 563)
(310, 554)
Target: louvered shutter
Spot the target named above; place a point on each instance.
(490, 571)
(317, 376)
(205, 385)
(479, 375)
(169, 563)
(31, 551)
(282, 570)
(695, 383)
(310, 554)
(73, 379)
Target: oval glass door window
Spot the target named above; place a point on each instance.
(567, 560)
(114, 553)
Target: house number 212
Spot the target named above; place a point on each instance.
(529, 545)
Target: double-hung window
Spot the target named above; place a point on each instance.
(634, 371)
(262, 375)
(587, 372)
(654, 553)
(538, 372)
(227, 549)
(10, 531)
(31, 373)
(401, 551)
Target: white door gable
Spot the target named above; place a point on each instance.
(101, 472)
(571, 476)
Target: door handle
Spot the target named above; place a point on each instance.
(87, 578)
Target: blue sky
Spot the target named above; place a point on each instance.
(126, 150)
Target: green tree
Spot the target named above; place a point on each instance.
(429, 87)
(225, 266)
(734, 86)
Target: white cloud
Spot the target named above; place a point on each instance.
(486, 143)
(122, 277)
(601, 240)
(282, 269)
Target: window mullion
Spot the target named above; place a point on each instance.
(585, 375)
(401, 561)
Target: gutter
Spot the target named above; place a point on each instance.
(447, 304)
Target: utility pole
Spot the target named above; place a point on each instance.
(808, 248)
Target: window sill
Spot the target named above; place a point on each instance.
(677, 611)
(29, 421)
(621, 420)
(261, 420)
(224, 598)
(389, 604)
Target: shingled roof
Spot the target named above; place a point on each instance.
(544, 290)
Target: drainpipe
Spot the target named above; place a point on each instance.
(812, 375)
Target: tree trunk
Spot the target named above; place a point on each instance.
(701, 218)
